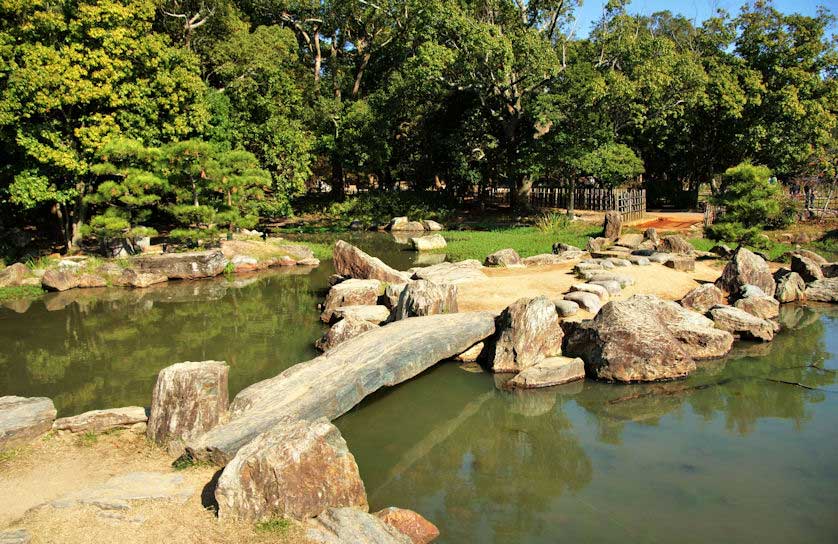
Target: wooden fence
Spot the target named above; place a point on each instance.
(631, 203)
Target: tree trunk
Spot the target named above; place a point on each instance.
(194, 193)
(338, 189)
(356, 87)
(571, 201)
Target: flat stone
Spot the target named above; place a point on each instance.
(15, 536)
(659, 258)
(23, 419)
(408, 522)
(352, 526)
(549, 372)
(183, 266)
(120, 491)
(596, 289)
(343, 330)
(612, 287)
(566, 308)
(428, 243)
(638, 260)
(343, 377)
(825, 290)
(587, 301)
(352, 292)
(594, 277)
(452, 273)
(504, 257)
(352, 262)
(681, 264)
(99, 421)
(374, 314)
(547, 259)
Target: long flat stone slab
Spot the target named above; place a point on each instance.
(333, 383)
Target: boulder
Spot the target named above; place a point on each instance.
(23, 419)
(352, 525)
(811, 255)
(472, 354)
(428, 243)
(59, 280)
(392, 293)
(374, 314)
(612, 287)
(15, 536)
(344, 376)
(631, 240)
(342, 331)
(99, 421)
(808, 269)
(586, 300)
(183, 266)
(566, 308)
(120, 491)
(675, 244)
(825, 290)
(681, 263)
(790, 286)
(422, 297)
(743, 269)
(417, 528)
(453, 273)
(432, 226)
(651, 235)
(504, 257)
(596, 289)
(295, 470)
(612, 226)
(741, 323)
(702, 298)
(188, 399)
(13, 275)
(528, 331)
(549, 372)
(354, 263)
(91, 280)
(597, 244)
(645, 338)
(351, 292)
(407, 226)
(761, 306)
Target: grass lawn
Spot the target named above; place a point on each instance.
(29, 291)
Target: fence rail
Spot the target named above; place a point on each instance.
(631, 203)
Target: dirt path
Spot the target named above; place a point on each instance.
(504, 286)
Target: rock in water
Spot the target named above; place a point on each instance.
(296, 470)
(354, 263)
(790, 286)
(416, 527)
(549, 372)
(740, 322)
(99, 421)
(188, 399)
(807, 268)
(645, 338)
(702, 298)
(23, 419)
(183, 266)
(825, 290)
(504, 257)
(351, 292)
(675, 244)
(407, 226)
(352, 526)
(428, 243)
(743, 269)
(528, 331)
(345, 329)
(612, 226)
(59, 280)
(333, 383)
(425, 298)
(757, 303)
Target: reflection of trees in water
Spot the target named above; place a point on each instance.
(738, 388)
(102, 348)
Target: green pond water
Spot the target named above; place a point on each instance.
(731, 454)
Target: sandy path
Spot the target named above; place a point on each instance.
(504, 286)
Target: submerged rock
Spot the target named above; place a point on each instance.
(352, 262)
(741, 323)
(23, 419)
(345, 329)
(99, 421)
(408, 522)
(184, 266)
(549, 372)
(504, 257)
(528, 331)
(702, 298)
(428, 243)
(352, 525)
(746, 268)
(296, 470)
(422, 297)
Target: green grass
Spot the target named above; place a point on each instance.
(274, 526)
(26, 291)
(185, 462)
(87, 439)
(527, 241)
(10, 454)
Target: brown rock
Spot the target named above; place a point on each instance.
(297, 469)
(343, 330)
(808, 269)
(549, 372)
(790, 286)
(23, 419)
(422, 297)
(740, 322)
(759, 304)
(681, 264)
(472, 354)
(374, 314)
(597, 244)
(612, 226)
(59, 280)
(13, 275)
(743, 269)
(675, 244)
(99, 421)
(416, 527)
(504, 257)
(528, 331)
(354, 263)
(92, 280)
(645, 338)
(183, 266)
(651, 235)
(188, 399)
(702, 298)
(351, 292)
(351, 525)
(139, 280)
(630, 240)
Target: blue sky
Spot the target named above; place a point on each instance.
(697, 10)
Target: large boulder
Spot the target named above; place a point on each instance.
(422, 297)
(183, 266)
(504, 257)
(24, 419)
(757, 303)
(416, 527)
(59, 280)
(188, 399)
(352, 525)
(354, 263)
(295, 470)
(746, 268)
(825, 290)
(528, 331)
(352, 292)
(454, 273)
(612, 225)
(99, 421)
(13, 275)
(675, 244)
(343, 330)
(428, 243)
(807, 268)
(790, 286)
(645, 338)
(741, 323)
(702, 298)
(549, 372)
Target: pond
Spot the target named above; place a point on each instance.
(743, 450)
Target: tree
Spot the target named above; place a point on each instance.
(237, 177)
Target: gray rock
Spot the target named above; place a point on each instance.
(619, 262)
(472, 354)
(392, 293)
(375, 314)
(761, 306)
(651, 235)
(528, 331)
(343, 330)
(566, 308)
(659, 258)
(587, 301)
(808, 269)
(638, 260)
(586, 267)
(612, 226)
(741, 323)
(99, 421)
(428, 243)
(294, 470)
(746, 268)
(23, 419)
(681, 263)
(422, 297)
(751, 291)
(549, 372)
(612, 287)
(504, 257)
(594, 277)
(354, 263)
(120, 491)
(188, 399)
(352, 525)
(453, 273)
(702, 298)
(596, 289)
(825, 290)
(15, 536)
(184, 266)
(351, 292)
(344, 376)
(546, 259)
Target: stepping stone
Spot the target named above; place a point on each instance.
(23, 419)
(681, 264)
(566, 308)
(638, 260)
(120, 491)
(619, 262)
(611, 286)
(587, 301)
(659, 257)
(598, 290)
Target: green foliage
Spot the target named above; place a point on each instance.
(613, 164)
(278, 526)
(552, 222)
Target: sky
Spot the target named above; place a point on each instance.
(697, 10)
